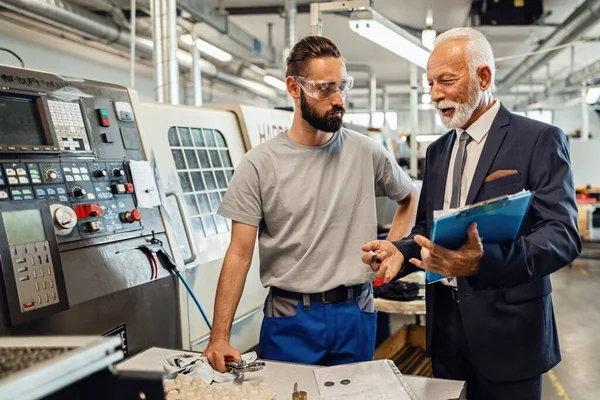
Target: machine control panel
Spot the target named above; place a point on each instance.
(65, 147)
(100, 194)
(31, 265)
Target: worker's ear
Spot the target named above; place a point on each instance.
(293, 87)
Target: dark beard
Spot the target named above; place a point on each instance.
(326, 123)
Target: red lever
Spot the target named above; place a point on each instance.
(87, 210)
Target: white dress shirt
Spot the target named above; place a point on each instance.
(478, 131)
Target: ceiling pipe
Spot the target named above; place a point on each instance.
(291, 10)
(372, 86)
(170, 40)
(90, 25)
(583, 18)
(196, 71)
(157, 56)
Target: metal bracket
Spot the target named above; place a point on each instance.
(316, 22)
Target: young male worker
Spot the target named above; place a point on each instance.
(309, 194)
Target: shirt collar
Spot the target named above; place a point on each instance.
(482, 125)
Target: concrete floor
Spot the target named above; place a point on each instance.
(576, 299)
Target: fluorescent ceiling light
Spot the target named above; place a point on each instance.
(592, 96)
(276, 83)
(207, 48)
(428, 37)
(390, 36)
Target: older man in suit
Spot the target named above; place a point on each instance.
(491, 323)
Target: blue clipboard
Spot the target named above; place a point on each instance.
(498, 220)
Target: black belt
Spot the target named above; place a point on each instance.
(335, 295)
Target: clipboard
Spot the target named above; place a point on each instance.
(498, 220)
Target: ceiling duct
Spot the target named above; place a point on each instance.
(90, 25)
(583, 18)
(202, 12)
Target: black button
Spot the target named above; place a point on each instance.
(107, 137)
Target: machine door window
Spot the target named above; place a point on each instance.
(204, 168)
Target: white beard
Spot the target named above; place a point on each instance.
(462, 111)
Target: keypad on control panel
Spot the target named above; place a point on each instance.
(69, 126)
(34, 275)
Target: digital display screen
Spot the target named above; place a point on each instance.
(23, 226)
(19, 122)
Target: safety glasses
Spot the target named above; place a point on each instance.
(323, 90)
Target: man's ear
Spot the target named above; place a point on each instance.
(293, 87)
(484, 76)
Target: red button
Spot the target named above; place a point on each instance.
(105, 122)
(87, 210)
(27, 305)
(136, 215)
(129, 187)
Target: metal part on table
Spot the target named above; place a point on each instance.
(240, 366)
(299, 394)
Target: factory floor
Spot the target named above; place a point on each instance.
(576, 296)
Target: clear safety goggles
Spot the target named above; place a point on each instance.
(323, 90)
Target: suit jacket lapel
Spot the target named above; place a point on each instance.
(490, 149)
(442, 172)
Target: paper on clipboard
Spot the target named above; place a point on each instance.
(372, 380)
(144, 182)
(498, 220)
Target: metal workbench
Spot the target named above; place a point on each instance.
(281, 377)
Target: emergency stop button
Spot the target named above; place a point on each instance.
(87, 210)
(132, 216)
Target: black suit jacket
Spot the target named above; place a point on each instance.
(507, 307)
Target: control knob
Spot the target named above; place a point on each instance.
(51, 174)
(64, 219)
(118, 172)
(100, 173)
(132, 216)
(78, 192)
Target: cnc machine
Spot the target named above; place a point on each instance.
(69, 213)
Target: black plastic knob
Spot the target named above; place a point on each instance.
(79, 192)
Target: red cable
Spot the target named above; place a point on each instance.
(155, 262)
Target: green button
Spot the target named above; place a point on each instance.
(103, 112)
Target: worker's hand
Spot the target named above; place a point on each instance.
(217, 350)
(384, 258)
(462, 262)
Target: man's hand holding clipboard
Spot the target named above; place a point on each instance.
(457, 236)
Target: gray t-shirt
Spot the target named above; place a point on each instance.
(314, 206)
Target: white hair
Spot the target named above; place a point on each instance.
(479, 51)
